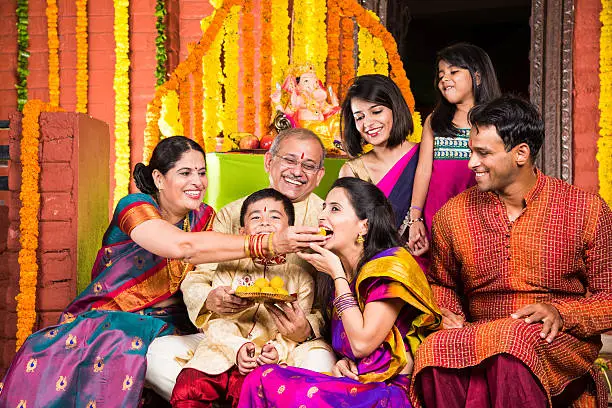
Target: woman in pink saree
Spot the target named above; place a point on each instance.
(381, 311)
(374, 112)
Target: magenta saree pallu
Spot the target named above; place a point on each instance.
(391, 274)
(96, 356)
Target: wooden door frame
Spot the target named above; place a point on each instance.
(551, 82)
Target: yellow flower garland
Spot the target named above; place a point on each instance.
(212, 78)
(280, 39)
(310, 34)
(604, 144)
(53, 43)
(372, 55)
(248, 65)
(169, 122)
(181, 72)
(82, 75)
(28, 217)
(231, 68)
(121, 85)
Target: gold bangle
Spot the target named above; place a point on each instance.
(246, 246)
(271, 245)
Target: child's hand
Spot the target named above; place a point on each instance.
(418, 243)
(245, 360)
(269, 355)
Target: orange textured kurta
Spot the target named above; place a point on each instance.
(485, 268)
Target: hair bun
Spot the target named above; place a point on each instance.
(144, 179)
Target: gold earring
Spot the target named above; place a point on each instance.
(360, 239)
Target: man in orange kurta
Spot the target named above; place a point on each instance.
(522, 269)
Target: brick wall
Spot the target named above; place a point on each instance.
(73, 216)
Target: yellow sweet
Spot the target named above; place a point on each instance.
(253, 289)
(277, 282)
(262, 283)
(242, 289)
(322, 231)
(268, 289)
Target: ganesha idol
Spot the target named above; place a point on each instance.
(305, 104)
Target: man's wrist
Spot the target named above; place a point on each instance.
(311, 335)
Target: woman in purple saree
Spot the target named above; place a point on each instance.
(382, 310)
(95, 355)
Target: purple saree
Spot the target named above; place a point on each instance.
(95, 356)
(391, 274)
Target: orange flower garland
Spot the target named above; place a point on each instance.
(180, 73)
(28, 217)
(82, 75)
(185, 104)
(347, 61)
(265, 68)
(248, 67)
(198, 105)
(333, 45)
(53, 43)
(350, 8)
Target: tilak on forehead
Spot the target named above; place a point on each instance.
(265, 209)
(302, 156)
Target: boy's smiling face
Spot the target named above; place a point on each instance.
(265, 216)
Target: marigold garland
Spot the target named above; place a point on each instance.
(169, 122)
(53, 44)
(28, 217)
(212, 78)
(350, 8)
(185, 104)
(82, 74)
(280, 39)
(333, 45)
(161, 55)
(372, 56)
(179, 74)
(198, 106)
(347, 61)
(309, 34)
(265, 68)
(248, 66)
(231, 51)
(23, 42)
(121, 85)
(604, 144)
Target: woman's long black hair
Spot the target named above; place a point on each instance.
(485, 87)
(369, 203)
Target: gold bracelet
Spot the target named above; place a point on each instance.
(246, 246)
(270, 245)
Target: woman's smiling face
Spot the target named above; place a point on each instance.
(339, 217)
(372, 120)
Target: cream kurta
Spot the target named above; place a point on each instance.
(197, 284)
(226, 334)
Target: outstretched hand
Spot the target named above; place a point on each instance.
(323, 260)
(294, 239)
(545, 313)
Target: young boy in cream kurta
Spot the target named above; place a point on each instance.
(236, 344)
